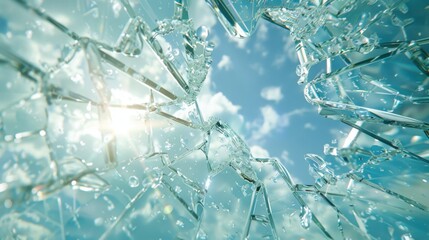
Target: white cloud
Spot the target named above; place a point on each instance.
(259, 152)
(309, 126)
(285, 118)
(219, 103)
(272, 93)
(216, 104)
(288, 53)
(262, 32)
(271, 120)
(203, 15)
(240, 42)
(285, 157)
(279, 60)
(260, 70)
(260, 48)
(289, 48)
(225, 63)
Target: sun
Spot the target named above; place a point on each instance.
(124, 121)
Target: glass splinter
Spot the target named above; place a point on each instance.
(102, 137)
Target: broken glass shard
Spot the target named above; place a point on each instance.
(101, 136)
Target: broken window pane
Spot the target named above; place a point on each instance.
(101, 135)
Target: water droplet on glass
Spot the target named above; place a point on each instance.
(8, 203)
(29, 34)
(178, 189)
(168, 209)
(110, 205)
(77, 78)
(176, 52)
(42, 133)
(202, 33)
(244, 189)
(306, 217)
(407, 236)
(167, 145)
(116, 7)
(133, 181)
(180, 223)
(98, 221)
(169, 56)
(108, 138)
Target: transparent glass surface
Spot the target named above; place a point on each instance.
(101, 135)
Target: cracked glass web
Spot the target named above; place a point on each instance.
(101, 136)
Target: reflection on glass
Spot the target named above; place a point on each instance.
(101, 136)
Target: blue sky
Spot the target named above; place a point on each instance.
(253, 87)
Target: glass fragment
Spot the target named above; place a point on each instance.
(101, 135)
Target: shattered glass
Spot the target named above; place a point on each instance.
(101, 136)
